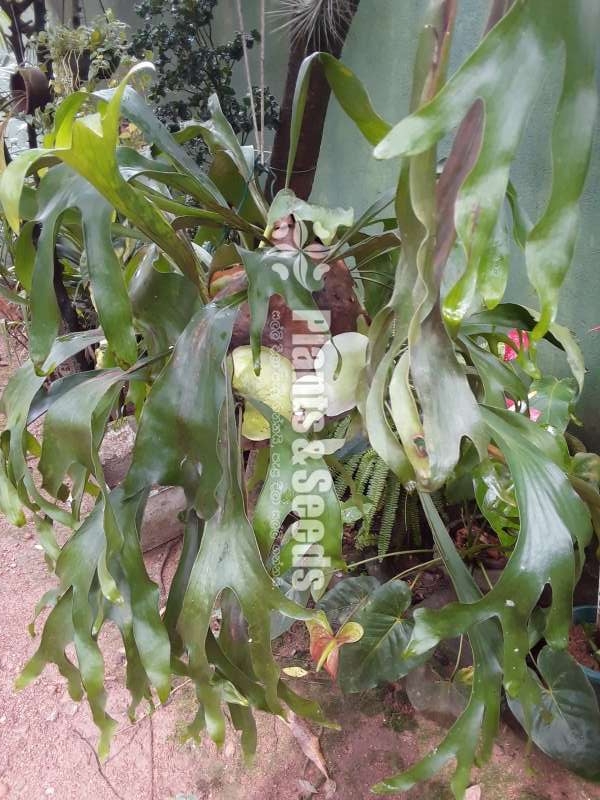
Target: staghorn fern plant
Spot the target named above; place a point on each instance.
(213, 267)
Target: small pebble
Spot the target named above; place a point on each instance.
(52, 716)
(49, 791)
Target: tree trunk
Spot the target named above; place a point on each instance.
(307, 155)
(76, 15)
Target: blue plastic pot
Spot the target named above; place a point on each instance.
(587, 614)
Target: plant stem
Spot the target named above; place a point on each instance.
(262, 81)
(434, 562)
(485, 575)
(389, 555)
(457, 664)
(247, 71)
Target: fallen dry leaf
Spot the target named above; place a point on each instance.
(307, 789)
(309, 743)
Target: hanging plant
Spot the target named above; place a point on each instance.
(86, 54)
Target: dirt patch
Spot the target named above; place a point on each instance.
(580, 647)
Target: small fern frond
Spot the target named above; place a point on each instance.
(365, 468)
(412, 518)
(377, 483)
(389, 514)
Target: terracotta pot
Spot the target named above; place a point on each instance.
(30, 89)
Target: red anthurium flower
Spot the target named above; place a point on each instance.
(521, 339)
(325, 645)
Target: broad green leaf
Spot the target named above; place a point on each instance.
(553, 519)
(498, 379)
(149, 634)
(133, 166)
(219, 135)
(178, 433)
(17, 398)
(506, 71)
(25, 254)
(46, 396)
(507, 316)
(60, 190)
(378, 656)
(350, 94)
(71, 434)
(566, 723)
(292, 275)
(228, 540)
(299, 481)
(163, 302)
(437, 376)
(568, 343)
(142, 115)
(225, 175)
(347, 598)
(10, 504)
(191, 544)
(326, 221)
(80, 612)
(83, 143)
(553, 400)
(57, 634)
(76, 567)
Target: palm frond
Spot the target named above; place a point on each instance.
(321, 21)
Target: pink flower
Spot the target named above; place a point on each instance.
(534, 413)
(521, 339)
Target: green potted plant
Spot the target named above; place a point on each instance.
(86, 54)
